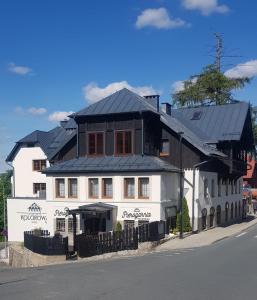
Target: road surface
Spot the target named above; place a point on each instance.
(224, 270)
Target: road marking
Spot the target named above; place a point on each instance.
(177, 253)
(241, 234)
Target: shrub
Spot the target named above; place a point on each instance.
(118, 227)
(186, 219)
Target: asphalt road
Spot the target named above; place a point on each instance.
(224, 270)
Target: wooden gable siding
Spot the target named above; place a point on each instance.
(190, 155)
(108, 125)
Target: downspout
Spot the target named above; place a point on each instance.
(77, 154)
(13, 174)
(193, 196)
(142, 134)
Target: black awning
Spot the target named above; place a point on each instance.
(99, 207)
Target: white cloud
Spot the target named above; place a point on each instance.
(20, 70)
(206, 7)
(36, 111)
(158, 18)
(247, 69)
(93, 92)
(58, 116)
(31, 110)
(178, 86)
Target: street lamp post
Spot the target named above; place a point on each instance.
(180, 185)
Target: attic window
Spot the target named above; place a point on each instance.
(197, 115)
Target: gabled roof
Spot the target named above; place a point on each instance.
(123, 101)
(220, 122)
(50, 141)
(133, 163)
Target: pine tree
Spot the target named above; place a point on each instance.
(186, 219)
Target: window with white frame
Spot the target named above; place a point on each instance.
(143, 187)
(107, 187)
(219, 188)
(93, 187)
(205, 187)
(227, 187)
(70, 225)
(129, 187)
(60, 225)
(213, 188)
(60, 187)
(73, 187)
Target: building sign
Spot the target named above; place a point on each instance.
(136, 214)
(61, 213)
(33, 214)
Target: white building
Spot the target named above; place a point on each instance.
(122, 164)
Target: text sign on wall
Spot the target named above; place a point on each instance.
(33, 214)
(136, 214)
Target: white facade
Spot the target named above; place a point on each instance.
(208, 195)
(24, 176)
(163, 192)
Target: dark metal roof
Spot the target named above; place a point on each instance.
(191, 134)
(219, 122)
(133, 163)
(50, 141)
(95, 207)
(123, 101)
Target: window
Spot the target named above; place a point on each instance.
(123, 142)
(205, 186)
(235, 184)
(60, 225)
(107, 187)
(70, 225)
(39, 164)
(165, 148)
(37, 187)
(129, 224)
(227, 187)
(143, 187)
(219, 188)
(129, 187)
(96, 143)
(73, 187)
(213, 188)
(93, 187)
(239, 186)
(60, 187)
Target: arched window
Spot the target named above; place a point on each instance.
(239, 209)
(232, 211)
(226, 211)
(218, 215)
(204, 216)
(236, 210)
(212, 214)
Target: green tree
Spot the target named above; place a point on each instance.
(5, 190)
(209, 87)
(186, 219)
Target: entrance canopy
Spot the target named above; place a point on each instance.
(98, 207)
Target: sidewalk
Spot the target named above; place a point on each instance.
(207, 237)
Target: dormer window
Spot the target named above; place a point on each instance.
(95, 143)
(123, 142)
(39, 164)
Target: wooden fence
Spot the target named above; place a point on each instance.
(127, 239)
(42, 243)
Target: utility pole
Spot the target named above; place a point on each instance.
(181, 187)
(5, 238)
(218, 55)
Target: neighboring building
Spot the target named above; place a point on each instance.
(33, 153)
(125, 167)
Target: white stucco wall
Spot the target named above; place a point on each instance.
(23, 171)
(201, 201)
(162, 193)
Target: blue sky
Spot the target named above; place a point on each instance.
(58, 56)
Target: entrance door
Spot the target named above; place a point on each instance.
(92, 225)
